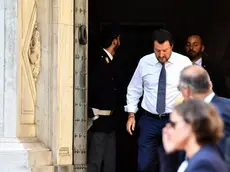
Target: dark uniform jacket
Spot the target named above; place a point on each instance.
(102, 91)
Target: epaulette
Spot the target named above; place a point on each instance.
(106, 59)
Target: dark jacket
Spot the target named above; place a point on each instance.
(102, 91)
(217, 77)
(207, 159)
(223, 107)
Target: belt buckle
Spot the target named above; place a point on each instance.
(161, 115)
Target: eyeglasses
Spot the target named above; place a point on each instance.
(179, 88)
(182, 85)
(174, 124)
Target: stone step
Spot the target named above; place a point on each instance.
(29, 153)
(10, 168)
(25, 158)
(40, 158)
(18, 140)
(43, 169)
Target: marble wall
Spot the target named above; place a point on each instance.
(8, 68)
(2, 66)
(54, 104)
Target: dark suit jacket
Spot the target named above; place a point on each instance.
(102, 91)
(208, 159)
(217, 78)
(223, 107)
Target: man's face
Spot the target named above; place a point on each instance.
(194, 47)
(162, 51)
(116, 43)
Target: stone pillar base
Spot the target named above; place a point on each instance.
(24, 155)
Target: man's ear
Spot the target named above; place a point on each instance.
(210, 85)
(190, 93)
(202, 48)
(187, 92)
(114, 42)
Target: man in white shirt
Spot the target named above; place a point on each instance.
(195, 83)
(156, 78)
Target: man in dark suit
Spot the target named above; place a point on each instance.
(195, 50)
(195, 84)
(102, 103)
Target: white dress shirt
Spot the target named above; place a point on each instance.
(183, 166)
(209, 98)
(110, 55)
(145, 82)
(198, 62)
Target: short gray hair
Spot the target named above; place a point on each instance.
(199, 83)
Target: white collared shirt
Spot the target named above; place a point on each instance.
(110, 56)
(183, 166)
(198, 62)
(145, 82)
(209, 98)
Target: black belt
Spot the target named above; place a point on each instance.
(158, 116)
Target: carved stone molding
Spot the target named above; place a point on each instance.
(34, 52)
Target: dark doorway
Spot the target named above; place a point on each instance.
(136, 41)
(206, 18)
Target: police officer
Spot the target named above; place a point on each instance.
(102, 102)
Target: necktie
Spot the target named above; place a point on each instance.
(161, 91)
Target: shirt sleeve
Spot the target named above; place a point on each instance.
(134, 91)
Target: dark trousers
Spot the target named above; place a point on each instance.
(151, 154)
(102, 152)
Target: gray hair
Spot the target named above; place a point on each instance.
(199, 83)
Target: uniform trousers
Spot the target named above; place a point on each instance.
(102, 152)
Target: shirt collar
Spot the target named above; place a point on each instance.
(110, 56)
(198, 62)
(209, 98)
(172, 59)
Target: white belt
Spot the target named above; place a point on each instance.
(97, 113)
(101, 112)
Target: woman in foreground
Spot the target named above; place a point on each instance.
(195, 127)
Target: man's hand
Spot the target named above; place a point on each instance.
(130, 125)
